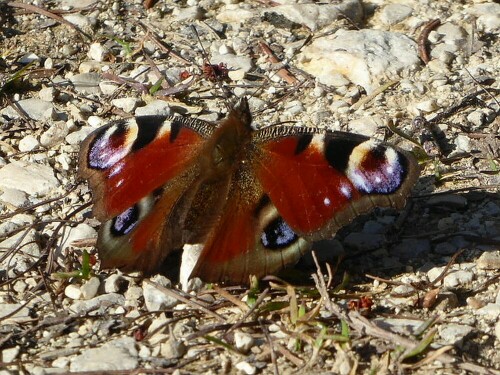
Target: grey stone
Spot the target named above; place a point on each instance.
(451, 201)
(491, 310)
(87, 83)
(54, 135)
(80, 232)
(453, 333)
(115, 355)
(13, 197)
(445, 248)
(364, 241)
(16, 313)
(412, 248)
(173, 348)
(395, 13)
(315, 16)
(35, 108)
(99, 303)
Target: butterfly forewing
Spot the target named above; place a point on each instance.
(127, 160)
(320, 180)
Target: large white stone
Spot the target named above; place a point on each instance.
(365, 57)
(33, 179)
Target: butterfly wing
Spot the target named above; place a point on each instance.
(143, 176)
(320, 181)
(250, 237)
(127, 160)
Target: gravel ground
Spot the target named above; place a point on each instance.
(422, 293)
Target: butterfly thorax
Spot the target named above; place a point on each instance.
(228, 148)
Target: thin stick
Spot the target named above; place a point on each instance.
(422, 39)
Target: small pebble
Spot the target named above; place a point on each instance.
(246, 368)
(73, 291)
(243, 341)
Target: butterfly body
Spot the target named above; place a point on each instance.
(256, 199)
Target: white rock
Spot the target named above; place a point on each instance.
(35, 108)
(47, 94)
(80, 232)
(154, 298)
(491, 310)
(28, 143)
(33, 179)
(463, 143)
(10, 354)
(236, 16)
(79, 20)
(28, 58)
(126, 104)
(120, 354)
(487, 261)
(395, 13)
(90, 287)
(243, 341)
(190, 255)
(61, 362)
(365, 125)
(189, 13)
(14, 313)
(95, 121)
(77, 137)
(315, 16)
(172, 349)
(488, 16)
(365, 57)
(246, 368)
(497, 330)
(155, 108)
(54, 135)
(73, 291)
(99, 304)
(87, 83)
(114, 283)
(97, 52)
(238, 62)
(453, 279)
(13, 197)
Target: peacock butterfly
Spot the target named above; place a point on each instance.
(256, 199)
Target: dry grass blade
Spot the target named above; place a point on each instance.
(282, 72)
